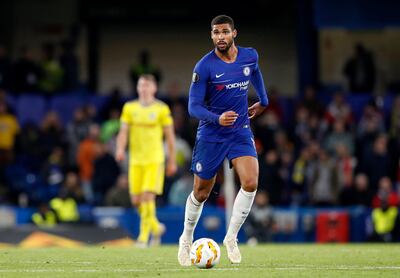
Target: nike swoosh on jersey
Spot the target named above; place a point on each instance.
(219, 75)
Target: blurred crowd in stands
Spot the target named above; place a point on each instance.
(323, 156)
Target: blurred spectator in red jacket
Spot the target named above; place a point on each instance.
(385, 190)
(338, 108)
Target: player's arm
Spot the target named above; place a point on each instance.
(122, 141)
(169, 134)
(196, 106)
(197, 93)
(258, 83)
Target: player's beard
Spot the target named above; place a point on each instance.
(226, 49)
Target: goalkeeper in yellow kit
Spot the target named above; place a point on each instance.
(145, 121)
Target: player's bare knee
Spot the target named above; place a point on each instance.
(201, 195)
(250, 184)
(148, 196)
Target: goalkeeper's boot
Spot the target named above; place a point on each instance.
(140, 244)
(156, 238)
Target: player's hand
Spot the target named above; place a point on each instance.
(171, 168)
(228, 118)
(119, 155)
(255, 110)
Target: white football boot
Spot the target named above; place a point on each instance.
(184, 252)
(233, 250)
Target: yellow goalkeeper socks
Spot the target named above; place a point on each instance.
(154, 223)
(148, 221)
(144, 223)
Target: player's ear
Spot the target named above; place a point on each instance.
(234, 32)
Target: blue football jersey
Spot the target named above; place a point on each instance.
(217, 87)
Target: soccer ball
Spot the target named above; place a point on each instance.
(205, 253)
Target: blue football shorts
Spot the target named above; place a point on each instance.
(208, 156)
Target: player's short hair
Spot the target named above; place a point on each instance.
(223, 19)
(148, 77)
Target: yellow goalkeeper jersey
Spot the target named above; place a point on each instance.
(146, 125)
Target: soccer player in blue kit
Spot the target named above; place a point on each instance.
(218, 98)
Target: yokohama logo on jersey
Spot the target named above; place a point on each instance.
(242, 85)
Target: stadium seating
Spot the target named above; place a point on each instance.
(23, 180)
(30, 108)
(65, 106)
(11, 102)
(98, 101)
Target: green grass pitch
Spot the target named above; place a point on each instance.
(271, 260)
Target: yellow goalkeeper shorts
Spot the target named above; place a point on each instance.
(146, 178)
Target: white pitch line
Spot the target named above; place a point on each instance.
(52, 262)
(109, 270)
(339, 268)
